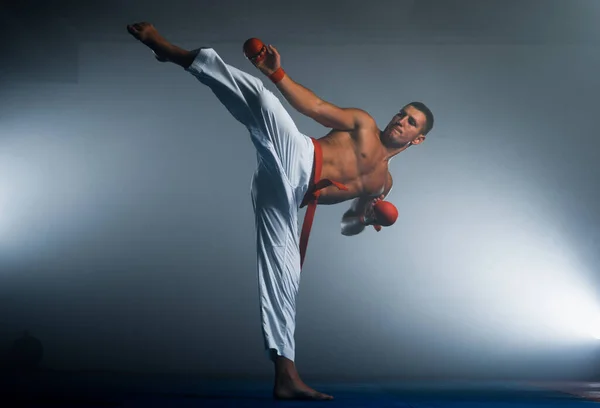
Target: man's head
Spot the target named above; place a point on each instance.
(409, 126)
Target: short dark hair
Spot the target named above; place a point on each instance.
(428, 115)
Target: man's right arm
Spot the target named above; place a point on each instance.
(353, 220)
(309, 104)
(360, 214)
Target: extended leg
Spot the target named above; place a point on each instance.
(273, 131)
(238, 91)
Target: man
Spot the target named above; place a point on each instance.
(352, 160)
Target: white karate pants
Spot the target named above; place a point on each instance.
(285, 161)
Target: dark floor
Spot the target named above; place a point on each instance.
(61, 389)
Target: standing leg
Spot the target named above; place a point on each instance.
(278, 263)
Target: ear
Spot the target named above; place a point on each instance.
(420, 139)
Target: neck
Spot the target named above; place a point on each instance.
(393, 151)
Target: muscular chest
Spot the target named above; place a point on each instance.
(372, 168)
(373, 181)
(357, 162)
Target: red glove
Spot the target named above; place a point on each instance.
(253, 48)
(256, 51)
(381, 214)
(385, 213)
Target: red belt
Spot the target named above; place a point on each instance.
(312, 196)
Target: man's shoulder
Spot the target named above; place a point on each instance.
(362, 116)
(365, 126)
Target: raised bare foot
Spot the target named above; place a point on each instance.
(295, 389)
(148, 35)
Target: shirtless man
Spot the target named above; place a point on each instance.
(354, 153)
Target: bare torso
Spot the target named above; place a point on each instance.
(356, 159)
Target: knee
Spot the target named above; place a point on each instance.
(267, 100)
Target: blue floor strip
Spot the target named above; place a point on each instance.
(118, 390)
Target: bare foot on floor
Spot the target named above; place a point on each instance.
(290, 389)
(148, 35)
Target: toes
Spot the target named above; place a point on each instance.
(325, 397)
(137, 26)
(133, 30)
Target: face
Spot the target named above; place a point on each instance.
(405, 127)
